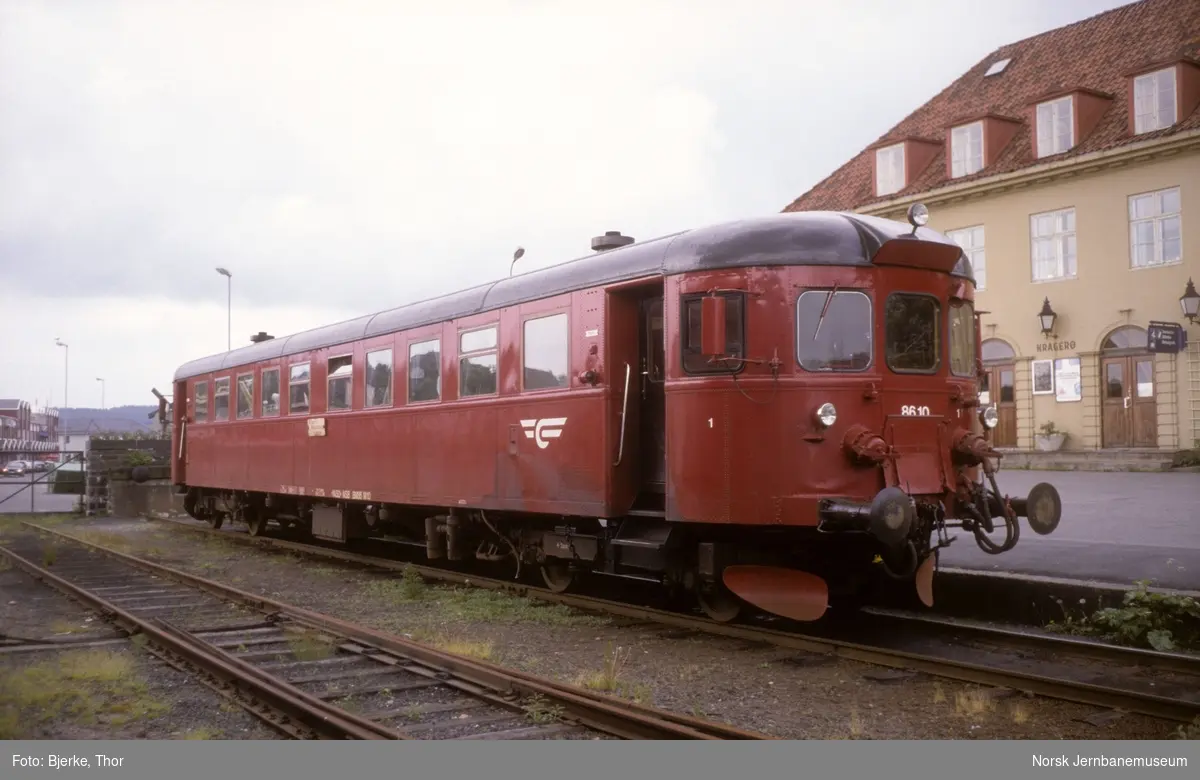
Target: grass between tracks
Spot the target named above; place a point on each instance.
(86, 687)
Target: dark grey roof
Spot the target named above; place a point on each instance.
(796, 238)
(12, 403)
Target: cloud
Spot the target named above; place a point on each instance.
(346, 158)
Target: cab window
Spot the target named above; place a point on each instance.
(833, 330)
(912, 328)
(962, 339)
(694, 361)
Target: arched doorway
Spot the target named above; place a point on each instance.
(1129, 397)
(999, 389)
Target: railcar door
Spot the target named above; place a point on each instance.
(653, 399)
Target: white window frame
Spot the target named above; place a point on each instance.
(966, 149)
(1049, 114)
(1060, 241)
(972, 239)
(1159, 217)
(1147, 108)
(889, 169)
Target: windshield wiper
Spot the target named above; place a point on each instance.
(825, 309)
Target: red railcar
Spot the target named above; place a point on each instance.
(775, 411)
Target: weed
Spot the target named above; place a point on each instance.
(609, 677)
(49, 555)
(939, 695)
(856, 726)
(465, 647)
(973, 702)
(539, 710)
(84, 686)
(1190, 731)
(311, 647)
(1019, 712)
(1161, 621)
(203, 732)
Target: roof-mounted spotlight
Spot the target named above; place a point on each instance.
(918, 215)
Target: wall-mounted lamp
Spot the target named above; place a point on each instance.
(1190, 302)
(1046, 317)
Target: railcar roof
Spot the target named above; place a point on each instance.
(795, 238)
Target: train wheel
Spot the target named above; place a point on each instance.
(256, 521)
(718, 603)
(557, 576)
(216, 520)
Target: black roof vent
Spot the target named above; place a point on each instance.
(612, 239)
(261, 337)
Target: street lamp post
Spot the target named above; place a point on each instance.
(100, 379)
(229, 308)
(66, 368)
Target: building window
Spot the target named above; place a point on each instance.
(477, 363)
(911, 329)
(338, 380)
(379, 378)
(971, 241)
(694, 361)
(1053, 245)
(546, 353)
(966, 150)
(245, 396)
(962, 339)
(270, 392)
(1055, 127)
(221, 399)
(833, 330)
(201, 401)
(1154, 228)
(889, 169)
(1154, 101)
(424, 371)
(298, 389)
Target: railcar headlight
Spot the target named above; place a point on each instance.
(990, 417)
(918, 215)
(827, 415)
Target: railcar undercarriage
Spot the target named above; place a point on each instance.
(857, 554)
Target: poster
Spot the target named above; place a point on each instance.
(1068, 381)
(1043, 377)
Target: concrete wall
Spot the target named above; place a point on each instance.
(129, 499)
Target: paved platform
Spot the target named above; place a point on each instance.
(1116, 527)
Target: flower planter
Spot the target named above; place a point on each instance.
(1051, 443)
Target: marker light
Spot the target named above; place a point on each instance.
(827, 415)
(990, 417)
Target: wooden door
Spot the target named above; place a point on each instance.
(999, 385)
(1129, 409)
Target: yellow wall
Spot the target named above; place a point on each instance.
(1105, 294)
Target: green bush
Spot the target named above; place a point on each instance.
(1161, 621)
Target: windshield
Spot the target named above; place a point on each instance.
(841, 339)
(912, 333)
(962, 339)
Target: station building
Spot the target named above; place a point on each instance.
(1067, 165)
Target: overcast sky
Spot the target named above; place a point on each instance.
(342, 158)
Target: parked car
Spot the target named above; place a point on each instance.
(16, 468)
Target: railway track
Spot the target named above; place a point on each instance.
(1163, 685)
(312, 676)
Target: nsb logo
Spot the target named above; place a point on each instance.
(542, 430)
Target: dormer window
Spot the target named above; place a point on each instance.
(966, 149)
(889, 169)
(1154, 101)
(1055, 126)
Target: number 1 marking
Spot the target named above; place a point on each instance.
(709, 422)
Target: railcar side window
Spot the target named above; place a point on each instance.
(694, 362)
(270, 392)
(201, 401)
(245, 396)
(424, 371)
(962, 339)
(546, 353)
(833, 330)
(477, 363)
(221, 399)
(338, 380)
(379, 378)
(298, 389)
(913, 338)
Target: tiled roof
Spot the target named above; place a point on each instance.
(1097, 54)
